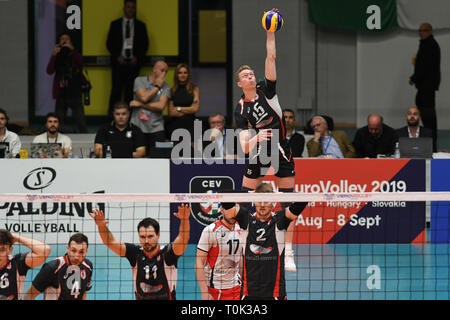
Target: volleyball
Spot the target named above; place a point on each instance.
(272, 21)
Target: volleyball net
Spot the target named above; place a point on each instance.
(377, 245)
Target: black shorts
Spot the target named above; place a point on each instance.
(286, 168)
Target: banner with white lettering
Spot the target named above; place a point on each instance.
(55, 222)
(203, 178)
(360, 222)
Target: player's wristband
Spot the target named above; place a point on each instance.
(297, 207)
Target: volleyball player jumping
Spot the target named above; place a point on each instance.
(260, 108)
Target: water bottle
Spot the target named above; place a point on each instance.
(7, 153)
(108, 152)
(396, 151)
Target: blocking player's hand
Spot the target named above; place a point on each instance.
(183, 212)
(99, 217)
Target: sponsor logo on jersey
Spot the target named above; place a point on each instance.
(257, 249)
(208, 212)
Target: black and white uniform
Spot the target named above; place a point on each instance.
(155, 277)
(263, 274)
(265, 113)
(12, 277)
(60, 280)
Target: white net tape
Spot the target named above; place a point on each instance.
(226, 197)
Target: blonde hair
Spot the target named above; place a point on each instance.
(176, 83)
(242, 68)
(264, 188)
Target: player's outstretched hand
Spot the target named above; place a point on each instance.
(183, 212)
(99, 217)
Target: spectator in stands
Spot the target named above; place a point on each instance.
(427, 77)
(375, 138)
(413, 129)
(330, 122)
(184, 102)
(296, 139)
(7, 137)
(128, 43)
(225, 147)
(151, 95)
(66, 63)
(124, 139)
(52, 135)
(335, 144)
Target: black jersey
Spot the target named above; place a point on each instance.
(155, 277)
(263, 274)
(12, 277)
(265, 113)
(60, 280)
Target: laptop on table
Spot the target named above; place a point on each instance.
(416, 148)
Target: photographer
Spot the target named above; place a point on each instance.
(66, 64)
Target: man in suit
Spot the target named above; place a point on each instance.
(427, 77)
(375, 138)
(128, 43)
(296, 140)
(414, 129)
(225, 146)
(325, 142)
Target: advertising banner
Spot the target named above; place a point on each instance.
(326, 222)
(360, 222)
(202, 178)
(55, 222)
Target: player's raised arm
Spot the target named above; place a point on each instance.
(180, 243)
(108, 239)
(39, 250)
(271, 70)
(294, 210)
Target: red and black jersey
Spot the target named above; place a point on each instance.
(12, 277)
(154, 277)
(61, 280)
(263, 274)
(265, 113)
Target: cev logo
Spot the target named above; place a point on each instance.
(39, 178)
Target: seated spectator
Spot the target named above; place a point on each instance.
(124, 139)
(151, 95)
(226, 148)
(184, 102)
(413, 129)
(335, 144)
(375, 138)
(7, 137)
(296, 140)
(52, 134)
(328, 119)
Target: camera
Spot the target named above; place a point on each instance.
(86, 90)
